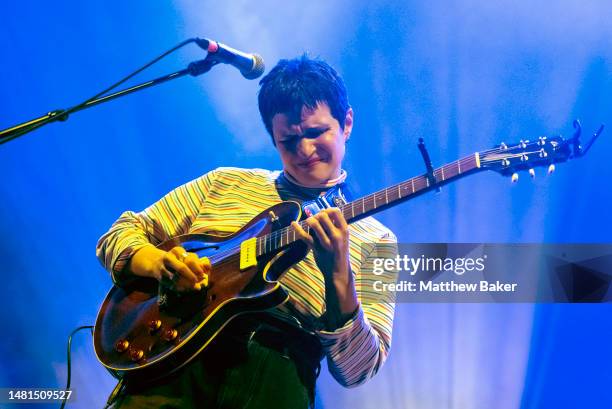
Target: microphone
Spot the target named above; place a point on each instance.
(251, 66)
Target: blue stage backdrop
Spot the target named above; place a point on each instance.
(465, 75)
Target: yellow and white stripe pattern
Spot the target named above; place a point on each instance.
(221, 202)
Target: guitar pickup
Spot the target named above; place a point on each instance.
(248, 253)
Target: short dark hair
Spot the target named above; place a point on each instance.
(301, 82)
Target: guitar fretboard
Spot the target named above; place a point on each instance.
(378, 201)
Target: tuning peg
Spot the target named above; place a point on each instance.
(551, 168)
(532, 173)
(514, 178)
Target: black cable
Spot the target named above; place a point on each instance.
(63, 114)
(69, 361)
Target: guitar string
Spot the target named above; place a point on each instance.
(367, 200)
(273, 237)
(372, 198)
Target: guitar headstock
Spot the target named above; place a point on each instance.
(542, 152)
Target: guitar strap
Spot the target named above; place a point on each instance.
(313, 200)
(336, 196)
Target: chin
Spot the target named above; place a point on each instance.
(317, 174)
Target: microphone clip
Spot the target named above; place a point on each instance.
(202, 66)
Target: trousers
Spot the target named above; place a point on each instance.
(255, 369)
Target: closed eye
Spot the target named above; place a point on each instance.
(311, 133)
(314, 132)
(289, 139)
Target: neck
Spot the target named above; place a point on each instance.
(320, 185)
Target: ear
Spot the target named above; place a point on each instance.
(348, 124)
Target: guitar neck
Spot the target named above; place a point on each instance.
(379, 201)
(409, 189)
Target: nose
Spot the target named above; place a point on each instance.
(305, 147)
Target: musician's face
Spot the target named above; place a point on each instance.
(312, 150)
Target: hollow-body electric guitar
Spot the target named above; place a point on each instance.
(144, 330)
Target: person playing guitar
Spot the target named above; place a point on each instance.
(268, 359)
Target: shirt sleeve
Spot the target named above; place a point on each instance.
(170, 216)
(357, 350)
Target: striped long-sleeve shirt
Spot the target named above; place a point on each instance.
(221, 202)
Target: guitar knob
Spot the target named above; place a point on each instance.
(551, 168)
(154, 325)
(136, 354)
(532, 173)
(122, 345)
(514, 178)
(170, 334)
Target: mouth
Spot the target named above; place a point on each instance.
(310, 163)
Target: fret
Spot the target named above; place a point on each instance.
(284, 237)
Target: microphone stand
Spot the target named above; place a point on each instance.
(194, 69)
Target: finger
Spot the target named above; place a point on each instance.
(205, 265)
(176, 266)
(193, 262)
(301, 233)
(322, 236)
(173, 280)
(179, 252)
(179, 283)
(337, 217)
(327, 224)
(168, 278)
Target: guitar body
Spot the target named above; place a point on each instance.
(145, 330)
